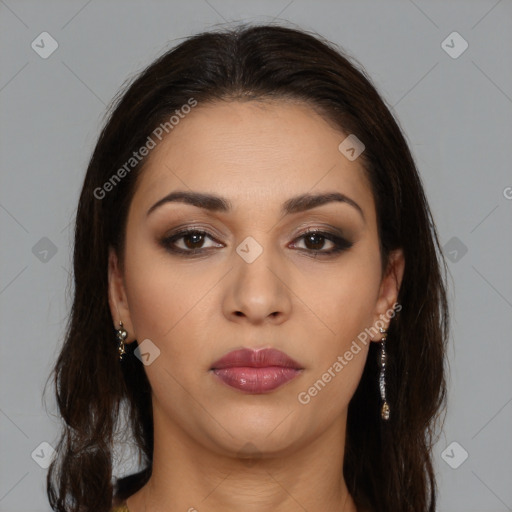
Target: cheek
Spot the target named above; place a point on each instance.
(167, 300)
(344, 309)
(343, 298)
(154, 304)
(151, 288)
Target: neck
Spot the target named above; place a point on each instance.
(188, 476)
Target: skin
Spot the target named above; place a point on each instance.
(195, 309)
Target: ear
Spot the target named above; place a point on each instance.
(389, 288)
(117, 296)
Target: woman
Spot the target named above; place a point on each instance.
(258, 279)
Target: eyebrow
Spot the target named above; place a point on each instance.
(295, 204)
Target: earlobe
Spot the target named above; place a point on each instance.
(117, 296)
(389, 290)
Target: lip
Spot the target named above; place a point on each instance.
(256, 371)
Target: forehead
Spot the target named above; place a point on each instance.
(265, 150)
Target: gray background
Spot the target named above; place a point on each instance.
(456, 114)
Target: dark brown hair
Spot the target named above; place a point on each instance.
(388, 465)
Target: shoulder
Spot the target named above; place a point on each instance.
(120, 507)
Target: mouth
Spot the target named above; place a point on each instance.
(254, 371)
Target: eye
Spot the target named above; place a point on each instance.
(315, 240)
(192, 241)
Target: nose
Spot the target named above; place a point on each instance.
(258, 291)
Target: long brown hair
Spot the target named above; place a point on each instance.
(388, 465)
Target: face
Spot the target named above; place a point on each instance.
(249, 275)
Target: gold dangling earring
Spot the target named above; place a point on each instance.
(121, 335)
(384, 412)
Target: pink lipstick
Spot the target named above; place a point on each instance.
(256, 371)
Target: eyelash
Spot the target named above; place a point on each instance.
(340, 244)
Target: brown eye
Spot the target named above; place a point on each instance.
(193, 241)
(314, 242)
